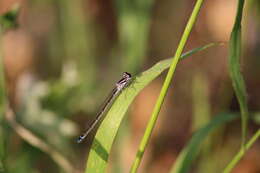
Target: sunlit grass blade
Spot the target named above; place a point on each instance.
(153, 119)
(234, 69)
(190, 152)
(106, 133)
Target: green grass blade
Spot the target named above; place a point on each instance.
(241, 153)
(190, 152)
(234, 69)
(106, 133)
(165, 87)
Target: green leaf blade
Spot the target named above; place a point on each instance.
(190, 152)
(100, 149)
(237, 79)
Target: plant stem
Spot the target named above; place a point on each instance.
(241, 153)
(157, 108)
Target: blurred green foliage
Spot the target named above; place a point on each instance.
(9, 19)
(80, 48)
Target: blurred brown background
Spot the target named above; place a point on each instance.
(64, 56)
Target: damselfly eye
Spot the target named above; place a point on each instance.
(125, 74)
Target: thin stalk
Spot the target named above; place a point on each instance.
(241, 153)
(165, 87)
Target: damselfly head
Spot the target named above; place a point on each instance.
(126, 79)
(126, 75)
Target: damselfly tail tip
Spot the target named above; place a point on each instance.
(80, 139)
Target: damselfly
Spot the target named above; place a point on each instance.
(120, 85)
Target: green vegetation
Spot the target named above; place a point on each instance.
(60, 58)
